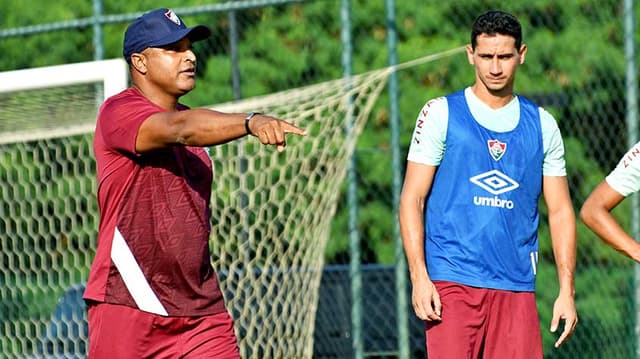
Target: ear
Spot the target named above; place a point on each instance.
(139, 63)
(470, 54)
(523, 53)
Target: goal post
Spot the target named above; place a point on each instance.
(55, 101)
(112, 74)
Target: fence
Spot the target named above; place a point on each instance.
(578, 65)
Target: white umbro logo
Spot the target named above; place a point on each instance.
(494, 182)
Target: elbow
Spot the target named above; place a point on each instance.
(184, 139)
(409, 206)
(183, 133)
(584, 214)
(587, 215)
(400, 212)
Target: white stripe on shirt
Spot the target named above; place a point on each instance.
(133, 277)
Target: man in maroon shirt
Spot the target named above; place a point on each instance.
(152, 291)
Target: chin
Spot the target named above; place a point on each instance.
(185, 89)
(497, 88)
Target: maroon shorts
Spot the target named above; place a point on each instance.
(119, 331)
(484, 323)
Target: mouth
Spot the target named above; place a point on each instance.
(190, 71)
(495, 82)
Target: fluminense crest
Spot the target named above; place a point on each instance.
(496, 149)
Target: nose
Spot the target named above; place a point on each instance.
(190, 55)
(495, 66)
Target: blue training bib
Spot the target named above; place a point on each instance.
(482, 213)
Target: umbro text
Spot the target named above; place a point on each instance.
(493, 202)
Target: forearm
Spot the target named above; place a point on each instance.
(602, 223)
(418, 179)
(562, 226)
(412, 232)
(596, 214)
(202, 127)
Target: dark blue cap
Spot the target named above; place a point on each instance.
(159, 28)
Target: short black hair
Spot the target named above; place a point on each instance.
(495, 22)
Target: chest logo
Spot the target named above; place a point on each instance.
(496, 149)
(494, 182)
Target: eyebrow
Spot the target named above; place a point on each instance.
(492, 54)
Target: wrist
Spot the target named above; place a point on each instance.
(567, 290)
(247, 119)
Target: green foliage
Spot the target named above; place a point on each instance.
(48, 49)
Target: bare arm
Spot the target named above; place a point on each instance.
(596, 214)
(417, 183)
(562, 226)
(203, 127)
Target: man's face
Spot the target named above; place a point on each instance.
(172, 67)
(496, 59)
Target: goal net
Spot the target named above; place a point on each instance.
(48, 211)
(271, 214)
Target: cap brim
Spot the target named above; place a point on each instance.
(195, 33)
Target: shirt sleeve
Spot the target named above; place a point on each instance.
(625, 178)
(554, 162)
(120, 120)
(429, 135)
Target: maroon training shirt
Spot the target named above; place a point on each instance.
(153, 251)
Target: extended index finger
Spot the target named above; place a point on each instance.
(290, 128)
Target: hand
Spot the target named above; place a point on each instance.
(564, 308)
(426, 301)
(272, 131)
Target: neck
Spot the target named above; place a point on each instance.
(493, 99)
(164, 100)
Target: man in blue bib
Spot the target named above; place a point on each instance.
(478, 162)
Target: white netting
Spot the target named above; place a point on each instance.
(272, 212)
(271, 221)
